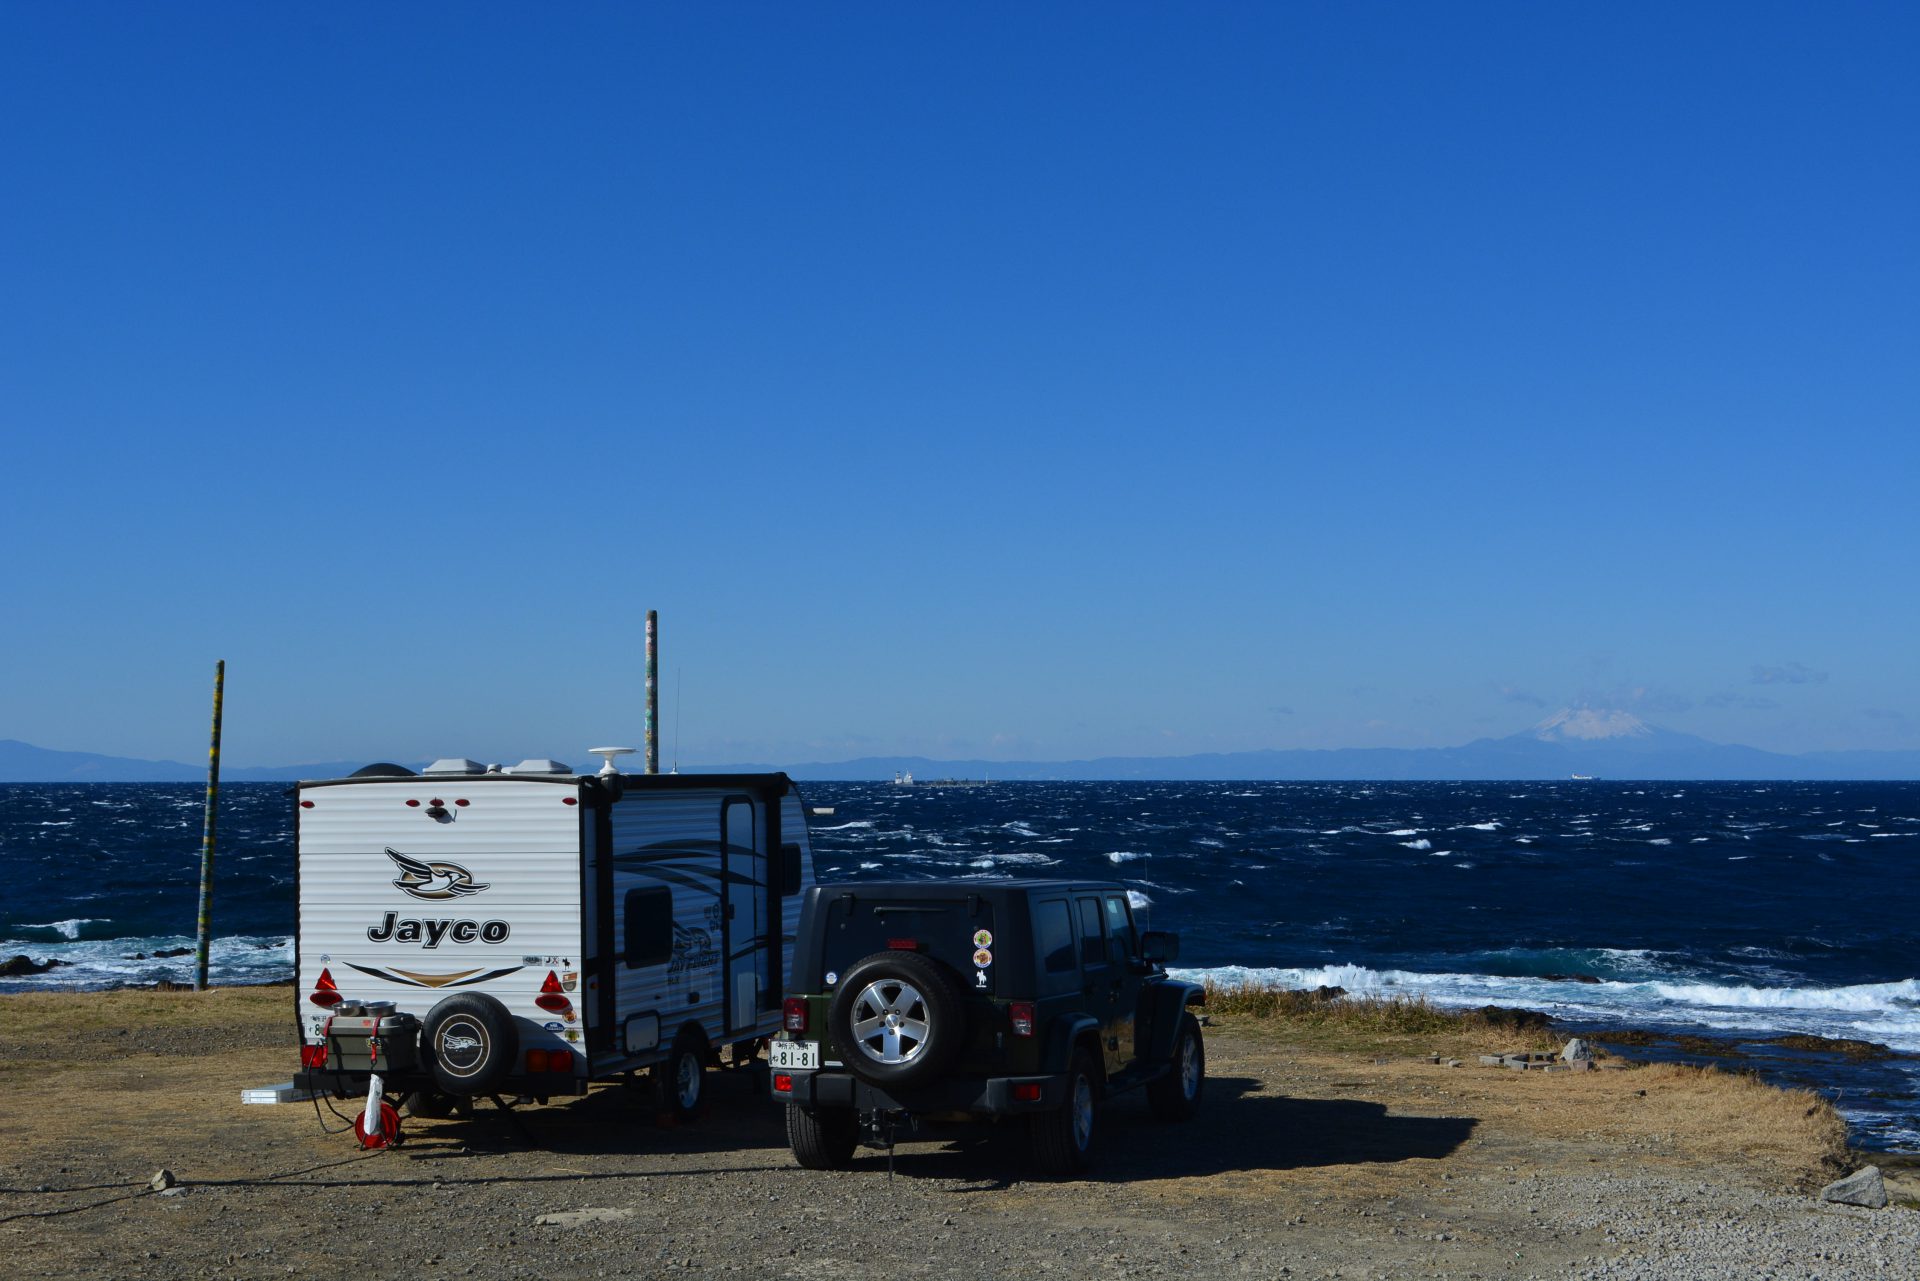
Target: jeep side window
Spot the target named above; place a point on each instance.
(1093, 936)
(1120, 926)
(1053, 943)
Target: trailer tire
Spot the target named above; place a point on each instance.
(904, 997)
(681, 1078)
(470, 1043)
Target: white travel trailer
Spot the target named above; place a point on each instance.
(477, 931)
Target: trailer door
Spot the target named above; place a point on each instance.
(747, 935)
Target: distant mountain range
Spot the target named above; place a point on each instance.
(1578, 742)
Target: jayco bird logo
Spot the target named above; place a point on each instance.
(433, 881)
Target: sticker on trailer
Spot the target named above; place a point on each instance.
(570, 980)
(553, 1027)
(982, 958)
(983, 938)
(979, 978)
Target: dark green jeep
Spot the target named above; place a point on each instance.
(983, 999)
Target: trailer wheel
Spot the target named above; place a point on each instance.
(431, 1105)
(899, 1017)
(681, 1079)
(470, 1043)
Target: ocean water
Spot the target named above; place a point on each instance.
(1734, 910)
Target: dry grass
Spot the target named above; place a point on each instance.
(1372, 1022)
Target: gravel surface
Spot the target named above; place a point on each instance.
(1300, 1165)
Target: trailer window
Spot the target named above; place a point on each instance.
(789, 870)
(649, 914)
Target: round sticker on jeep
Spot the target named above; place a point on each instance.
(983, 938)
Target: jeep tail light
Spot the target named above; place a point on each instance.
(313, 1056)
(793, 1014)
(553, 998)
(1026, 1091)
(325, 994)
(783, 1083)
(536, 1060)
(1021, 1012)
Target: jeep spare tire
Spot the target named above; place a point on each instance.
(897, 1018)
(470, 1043)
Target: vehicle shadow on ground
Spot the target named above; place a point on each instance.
(1238, 1129)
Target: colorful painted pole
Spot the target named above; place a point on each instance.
(653, 691)
(206, 839)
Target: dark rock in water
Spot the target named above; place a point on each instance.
(1573, 978)
(1864, 1187)
(20, 967)
(1859, 1050)
(1325, 993)
(172, 951)
(1506, 1019)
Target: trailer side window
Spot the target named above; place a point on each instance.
(789, 870)
(649, 914)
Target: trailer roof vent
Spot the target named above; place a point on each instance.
(456, 765)
(382, 769)
(538, 766)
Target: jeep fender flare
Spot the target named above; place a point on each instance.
(1169, 1002)
(1067, 1033)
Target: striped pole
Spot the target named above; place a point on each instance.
(653, 691)
(206, 839)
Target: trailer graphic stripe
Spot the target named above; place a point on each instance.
(463, 978)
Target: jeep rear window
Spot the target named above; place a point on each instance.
(943, 929)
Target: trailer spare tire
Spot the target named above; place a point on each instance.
(470, 1043)
(898, 1018)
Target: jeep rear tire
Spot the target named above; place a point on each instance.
(1176, 1096)
(897, 1018)
(822, 1138)
(1063, 1138)
(471, 1043)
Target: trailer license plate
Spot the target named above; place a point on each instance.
(794, 1055)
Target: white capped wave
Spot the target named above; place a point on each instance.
(1422, 844)
(1405, 831)
(1018, 829)
(102, 963)
(1484, 827)
(68, 929)
(1884, 1012)
(841, 827)
(1013, 860)
(1125, 856)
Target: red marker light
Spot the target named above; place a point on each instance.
(313, 1056)
(569, 800)
(553, 998)
(1026, 1092)
(412, 804)
(462, 803)
(325, 994)
(783, 1083)
(306, 805)
(904, 945)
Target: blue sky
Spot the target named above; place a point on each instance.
(1020, 382)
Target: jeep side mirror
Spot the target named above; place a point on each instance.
(1159, 947)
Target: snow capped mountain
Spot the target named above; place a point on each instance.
(1587, 724)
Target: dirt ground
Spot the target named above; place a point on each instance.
(1305, 1161)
